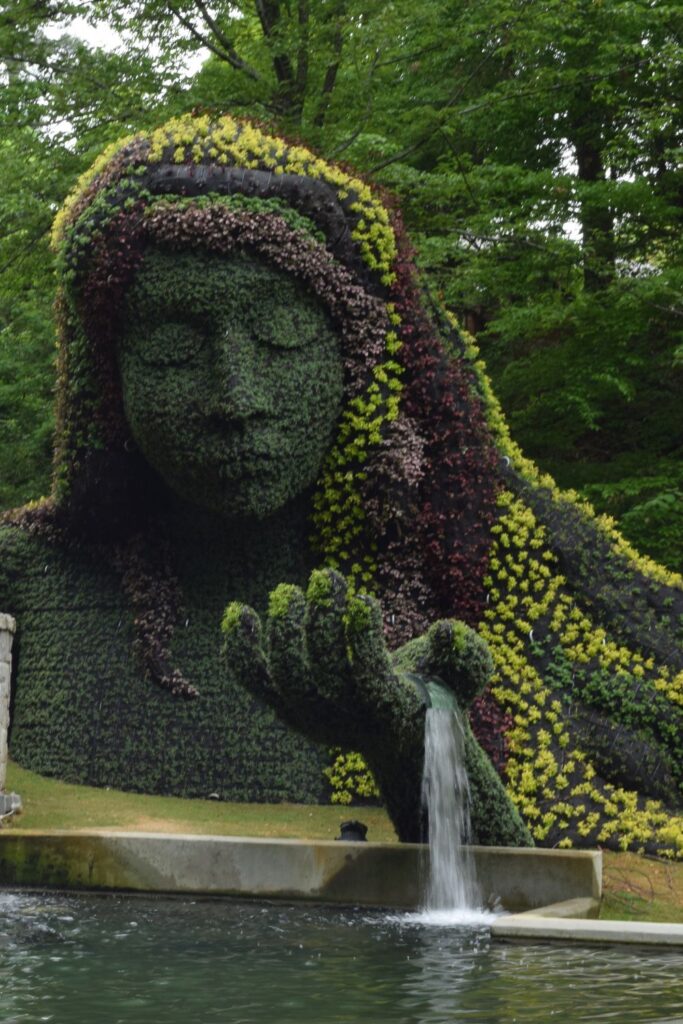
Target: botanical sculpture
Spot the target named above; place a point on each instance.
(260, 408)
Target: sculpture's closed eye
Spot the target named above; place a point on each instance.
(173, 343)
(178, 343)
(288, 327)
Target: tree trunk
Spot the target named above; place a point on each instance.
(596, 218)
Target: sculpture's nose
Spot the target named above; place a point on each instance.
(236, 387)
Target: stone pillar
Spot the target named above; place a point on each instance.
(7, 627)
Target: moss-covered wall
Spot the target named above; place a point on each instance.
(83, 711)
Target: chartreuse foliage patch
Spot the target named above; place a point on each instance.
(589, 672)
(552, 775)
(197, 140)
(350, 778)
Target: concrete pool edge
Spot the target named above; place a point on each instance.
(551, 924)
(368, 874)
(549, 894)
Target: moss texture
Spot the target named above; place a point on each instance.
(232, 380)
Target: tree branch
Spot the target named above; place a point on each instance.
(302, 52)
(474, 237)
(362, 121)
(449, 103)
(461, 169)
(227, 53)
(24, 251)
(409, 58)
(269, 14)
(225, 42)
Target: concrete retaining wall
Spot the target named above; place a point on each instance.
(373, 874)
(7, 627)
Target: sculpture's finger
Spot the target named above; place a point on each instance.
(372, 672)
(242, 650)
(285, 641)
(302, 704)
(325, 632)
(445, 644)
(458, 656)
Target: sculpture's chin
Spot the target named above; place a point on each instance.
(241, 498)
(250, 505)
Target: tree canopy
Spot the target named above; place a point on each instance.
(535, 150)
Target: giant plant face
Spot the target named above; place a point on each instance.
(232, 379)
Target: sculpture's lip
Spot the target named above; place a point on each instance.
(233, 473)
(229, 456)
(240, 466)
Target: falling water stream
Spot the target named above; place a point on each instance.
(453, 895)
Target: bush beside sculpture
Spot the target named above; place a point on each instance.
(422, 498)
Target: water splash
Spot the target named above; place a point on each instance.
(453, 895)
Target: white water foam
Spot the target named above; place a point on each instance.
(452, 918)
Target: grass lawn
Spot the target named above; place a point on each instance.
(641, 888)
(52, 804)
(635, 888)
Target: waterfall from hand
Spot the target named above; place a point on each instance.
(452, 884)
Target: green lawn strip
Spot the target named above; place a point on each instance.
(641, 888)
(51, 804)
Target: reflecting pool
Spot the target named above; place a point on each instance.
(105, 960)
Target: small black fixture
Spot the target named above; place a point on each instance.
(353, 832)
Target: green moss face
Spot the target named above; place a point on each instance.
(232, 379)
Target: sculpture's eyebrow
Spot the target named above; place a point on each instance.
(173, 295)
(165, 289)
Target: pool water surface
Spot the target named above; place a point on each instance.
(104, 960)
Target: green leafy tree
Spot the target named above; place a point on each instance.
(537, 157)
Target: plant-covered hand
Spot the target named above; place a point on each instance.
(322, 664)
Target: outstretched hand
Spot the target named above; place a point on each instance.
(322, 663)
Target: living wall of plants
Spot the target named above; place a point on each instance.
(423, 499)
(84, 712)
